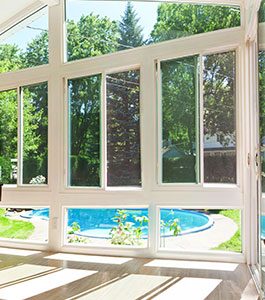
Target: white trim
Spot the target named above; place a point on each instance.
(58, 196)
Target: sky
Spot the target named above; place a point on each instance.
(146, 11)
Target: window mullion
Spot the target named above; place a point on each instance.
(20, 137)
(159, 167)
(200, 158)
(103, 135)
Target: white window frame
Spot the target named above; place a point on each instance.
(58, 196)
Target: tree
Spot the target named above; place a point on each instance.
(262, 12)
(179, 20)
(179, 88)
(37, 52)
(131, 35)
(91, 36)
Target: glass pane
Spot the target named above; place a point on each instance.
(8, 136)
(123, 128)
(30, 224)
(200, 230)
(26, 44)
(219, 82)
(262, 12)
(108, 227)
(262, 113)
(35, 134)
(179, 100)
(84, 131)
(100, 27)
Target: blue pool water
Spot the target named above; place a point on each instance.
(97, 223)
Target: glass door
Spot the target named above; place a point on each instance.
(261, 182)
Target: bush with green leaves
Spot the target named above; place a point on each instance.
(73, 237)
(126, 233)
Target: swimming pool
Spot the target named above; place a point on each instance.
(97, 223)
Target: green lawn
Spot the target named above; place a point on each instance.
(234, 244)
(14, 229)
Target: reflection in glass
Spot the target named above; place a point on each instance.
(123, 129)
(179, 101)
(25, 44)
(35, 133)
(8, 136)
(100, 27)
(84, 131)
(219, 82)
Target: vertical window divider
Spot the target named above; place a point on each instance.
(239, 120)
(68, 133)
(201, 115)
(159, 167)
(103, 132)
(20, 137)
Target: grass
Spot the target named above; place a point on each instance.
(14, 229)
(234, 244)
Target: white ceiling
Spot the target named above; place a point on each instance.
(11, 8)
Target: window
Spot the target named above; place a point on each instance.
(100, 27)
(24, 148)
(179, 80)
(122, 132)
(182, 107)
(8, 136)
(84, 131)
(27, 224)
(35, 133)
(262, 12)
(262, 113)
(107, 227)
(219, 82)
(200, 229)
(25, 44)
(123, 129)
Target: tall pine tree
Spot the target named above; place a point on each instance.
(131, 35)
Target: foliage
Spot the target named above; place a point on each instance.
(37, 52)
(72, 235)
(75, 227)
(131, 233)
(131, 35)
(234, 244)
(91, 36)
(123, 129)
(262, 12)
(14, 229)
(125, 233)
(84, 104)
(172, 225)
(179, 20)
(38, 180)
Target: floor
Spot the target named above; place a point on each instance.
(40, 275)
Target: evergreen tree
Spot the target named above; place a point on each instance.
(130, 31)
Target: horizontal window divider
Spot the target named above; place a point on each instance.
(111, 206)
(25, 77)
(101, 250)
(181, 47)
(103, 200)
(202, 255)
(26, 188)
